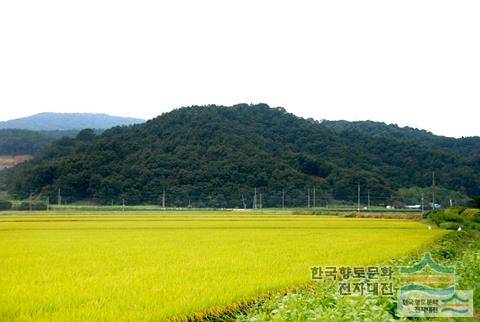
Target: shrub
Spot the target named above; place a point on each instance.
(436, 216)
(476, 202)
(33, 205)
(456, 210)
(472, 225)
(5, 205)
(439, 216)
(449, 225)
(472, 214)
(452, 217)
(476, 217)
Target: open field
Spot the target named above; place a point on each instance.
(149, 266)
(7, 161)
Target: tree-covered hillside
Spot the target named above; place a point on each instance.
(466, 145)
(216, 156)
(18, 142)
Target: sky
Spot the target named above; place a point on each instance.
(414, 63)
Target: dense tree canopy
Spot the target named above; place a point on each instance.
(216, 156)
(18, 142)
(466, 145)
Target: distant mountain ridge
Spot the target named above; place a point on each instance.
(50, 121)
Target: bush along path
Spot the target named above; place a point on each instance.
(324, 303)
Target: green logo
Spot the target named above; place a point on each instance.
(427, 289)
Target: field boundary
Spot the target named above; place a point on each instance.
(226, 313)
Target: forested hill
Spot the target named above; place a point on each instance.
(215, 156)
(67, 121)
(21, 142)
(465, 145)
(32, 134)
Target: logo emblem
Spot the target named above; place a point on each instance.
(427, 289)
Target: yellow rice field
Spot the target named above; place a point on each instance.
(150, 266)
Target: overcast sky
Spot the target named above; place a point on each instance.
(413, 63)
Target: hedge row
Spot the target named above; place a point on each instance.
(25, 205)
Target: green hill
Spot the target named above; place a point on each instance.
(18, 142)
(466, 145)
(214, 155)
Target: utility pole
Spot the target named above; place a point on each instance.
(308, 198)
(368, 196)
(358, 198)
(59, 197)
(433, 190)
(314, 203)
(163, 199)
(423, 207)
(283, 199)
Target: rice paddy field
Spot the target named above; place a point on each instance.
(151, 266)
